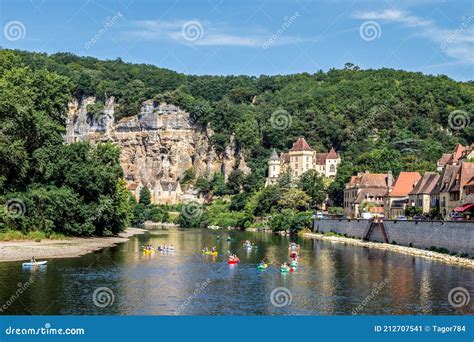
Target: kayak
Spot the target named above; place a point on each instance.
(207, 253)
(229, 239)
(262, 266)
(213, 253)
(148, 251)
(34, 264)
(284, 269)
(294, 263)
(232, 262)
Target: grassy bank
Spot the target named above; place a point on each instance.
(15, 235)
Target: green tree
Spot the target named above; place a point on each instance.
(313, 185)
(145, 196)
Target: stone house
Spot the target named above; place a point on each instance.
(396, 199)
(420, 196)
(365, 192)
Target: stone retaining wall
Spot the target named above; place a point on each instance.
(455, 236)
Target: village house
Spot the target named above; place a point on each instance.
(421, 196)
(396, 199)
(301, 158)
(365, 193)
(460, 154)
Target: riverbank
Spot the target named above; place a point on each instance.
(67, 248)
(395, 248)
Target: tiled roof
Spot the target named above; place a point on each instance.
(405, 183)
(285, 157)
(426, 184)
(132, 186)
(458, 151)
(364, 193)
(447, 178)
(444, 159)
(369, 180)
(301, 145)
(467, 173)
(321, 158)
(332, 154)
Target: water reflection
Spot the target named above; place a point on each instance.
(331, 279)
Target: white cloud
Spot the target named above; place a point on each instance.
(210, 34)
(456, 43)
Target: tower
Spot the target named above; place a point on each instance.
(273, 168)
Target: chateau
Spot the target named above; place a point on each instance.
(301, 158)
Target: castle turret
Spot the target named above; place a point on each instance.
(273, 168)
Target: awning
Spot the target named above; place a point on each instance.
(464, 207)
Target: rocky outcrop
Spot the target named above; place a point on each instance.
(158, 143)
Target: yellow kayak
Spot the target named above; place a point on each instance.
(148, 251)
(209, 253)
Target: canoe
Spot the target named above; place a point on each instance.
(284, 269)
(34, 264)
(232, 262)
(261, 267)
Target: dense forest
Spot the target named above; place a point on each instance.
(379, 120)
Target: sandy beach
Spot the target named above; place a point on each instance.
(465, 262)
(70, 248)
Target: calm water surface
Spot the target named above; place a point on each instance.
(332, 279)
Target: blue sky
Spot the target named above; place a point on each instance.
(251, 37)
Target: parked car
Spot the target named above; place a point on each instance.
(401, 218)
(319, 215)
(419, 218)
(456, 216)
(367, 216)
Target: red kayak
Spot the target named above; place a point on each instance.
(235, 261)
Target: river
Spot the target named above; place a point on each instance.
(332, 279)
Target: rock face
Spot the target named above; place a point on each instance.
(159, 143)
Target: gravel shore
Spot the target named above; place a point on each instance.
(465, 262)
(70, 248)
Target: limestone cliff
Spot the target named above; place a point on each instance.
(158, 143)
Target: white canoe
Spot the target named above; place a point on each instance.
(33, 264)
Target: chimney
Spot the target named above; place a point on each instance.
(389, 179)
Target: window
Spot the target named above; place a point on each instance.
(332, 168)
